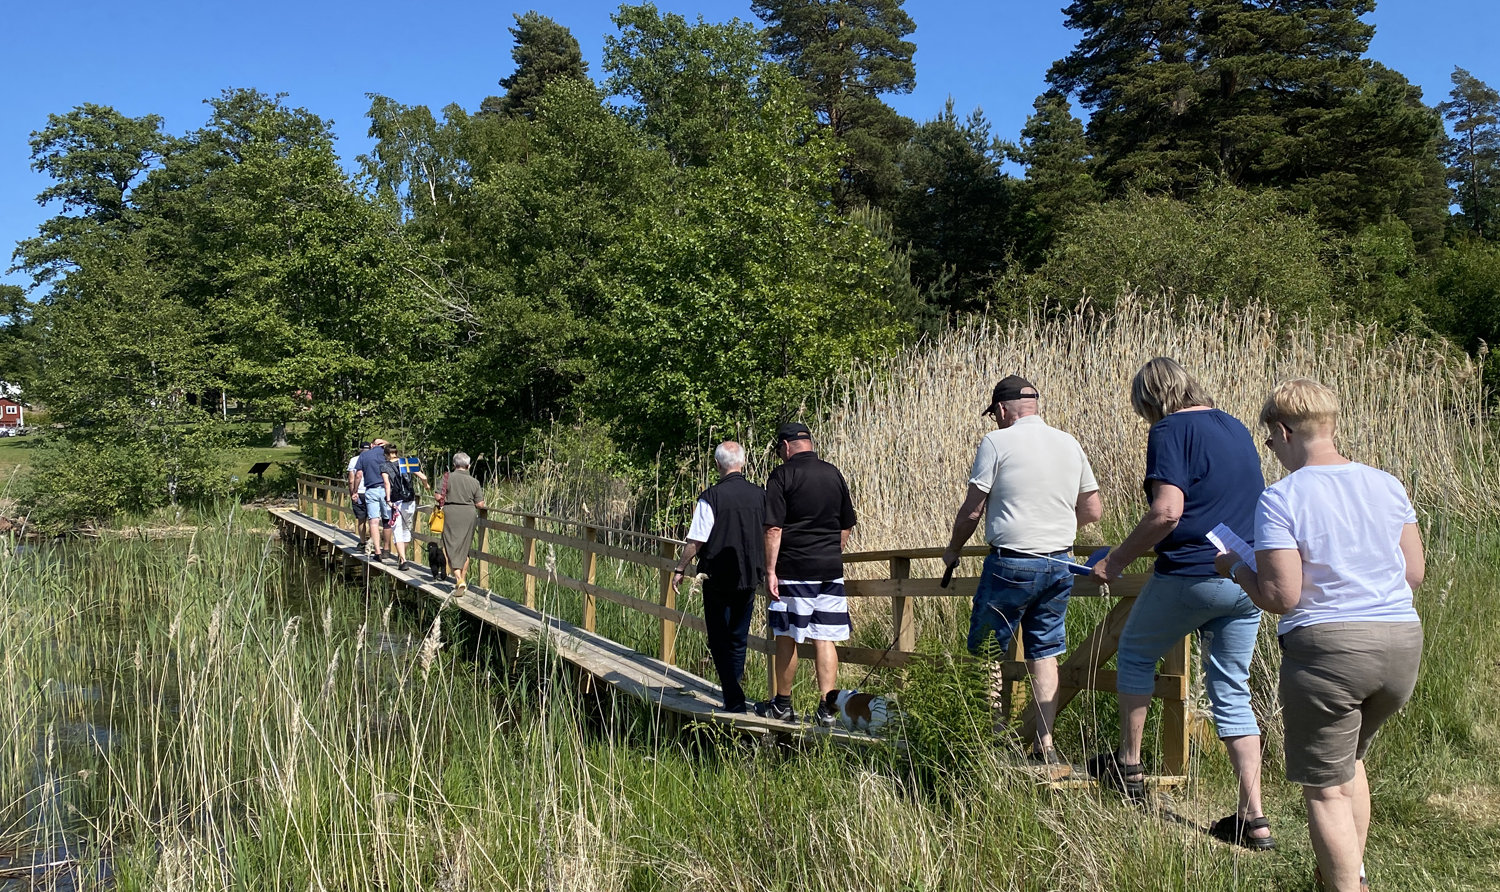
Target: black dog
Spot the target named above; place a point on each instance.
(437, 561)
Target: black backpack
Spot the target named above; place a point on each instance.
(401, 489)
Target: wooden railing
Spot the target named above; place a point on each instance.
(327, 499)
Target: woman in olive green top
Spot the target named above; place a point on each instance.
(462, 497)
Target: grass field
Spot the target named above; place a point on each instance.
(213, 714)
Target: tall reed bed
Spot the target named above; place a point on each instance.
(904, 429)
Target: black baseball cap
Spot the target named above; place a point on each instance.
(1011, 387)
(793, 430)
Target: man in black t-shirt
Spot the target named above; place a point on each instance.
(809, 516)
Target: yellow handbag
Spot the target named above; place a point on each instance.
(435, 524)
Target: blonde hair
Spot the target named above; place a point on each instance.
(1301, 403)
(1162, 387)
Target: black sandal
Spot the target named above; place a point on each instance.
(1236, 831)
(1111, 772)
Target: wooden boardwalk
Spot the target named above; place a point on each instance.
(324, 516)
(672, 690)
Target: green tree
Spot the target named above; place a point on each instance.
(1256, 93)
(1059, 183)
(847, 54)
(544, 52)
(1225, 245)
(1472, 153)
(956, 209)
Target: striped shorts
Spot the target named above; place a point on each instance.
(816, 610)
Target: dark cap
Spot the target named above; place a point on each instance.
(1011, 387)
(793, 430)
(365, 445)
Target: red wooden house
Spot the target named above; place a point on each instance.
(12, 413)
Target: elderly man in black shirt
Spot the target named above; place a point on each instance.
(809, 516)
(727, 537)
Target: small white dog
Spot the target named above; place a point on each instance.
(859, 711)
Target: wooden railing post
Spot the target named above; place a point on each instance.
(1174, 726)
(669, 601)
(482, 572)
(590, 567)
(528, 544)
(903, 624)
(301, 495)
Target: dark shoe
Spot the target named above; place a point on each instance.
(401, 566)
(826, 716)
(742, 709)
(1054, 766)
(767, 709)
(1128, 780)
(1235, 831)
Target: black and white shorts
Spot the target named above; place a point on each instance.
(810, 609)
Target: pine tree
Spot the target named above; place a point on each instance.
(847, 54)
(1473, 153)
(544, 52)
(1055, 151)
(1257, 93)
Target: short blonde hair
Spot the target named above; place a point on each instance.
(1162, 387)
(1301, 403)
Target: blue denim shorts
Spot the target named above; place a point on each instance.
(1029, 593)
(1171, 607)
(376, 504)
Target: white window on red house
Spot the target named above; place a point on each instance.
(11, 410)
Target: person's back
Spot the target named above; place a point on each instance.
(1210, 456)
(808, 498)
(369, 465)
(734, 556)
(1034, 474)
(1346, 522)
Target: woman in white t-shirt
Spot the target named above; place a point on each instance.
(1338, 554)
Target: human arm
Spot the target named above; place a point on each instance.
(964, 525)
(1276, 586)
(773, 548)
(1162, 518)
(1089, 509)
(844, 539)
(689, 551)
(1416, 557)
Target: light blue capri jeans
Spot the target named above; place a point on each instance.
(1171, 607)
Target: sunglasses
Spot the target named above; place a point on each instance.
(1287, 436)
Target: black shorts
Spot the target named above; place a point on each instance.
(359, 510)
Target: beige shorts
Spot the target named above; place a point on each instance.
(1339, 683)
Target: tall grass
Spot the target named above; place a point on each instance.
(215, 715)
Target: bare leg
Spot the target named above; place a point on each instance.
(1044, 694)
(1244, 755)
(826, 658)
(375, 531)
(1335, 834)
(1133, 708)
(1361, 806)
(786, 665)
(458, 574)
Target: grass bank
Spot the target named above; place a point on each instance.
(213, 714)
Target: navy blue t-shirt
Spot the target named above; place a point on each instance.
(1210, 456)
(370, 461)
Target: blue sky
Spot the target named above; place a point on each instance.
(163, 57)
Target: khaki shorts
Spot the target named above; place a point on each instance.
(1339, 683)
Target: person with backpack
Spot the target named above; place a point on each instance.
(400, 477)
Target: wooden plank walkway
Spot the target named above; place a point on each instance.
(669, 689)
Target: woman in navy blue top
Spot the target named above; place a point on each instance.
(1202, 469)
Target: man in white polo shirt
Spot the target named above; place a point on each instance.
(1032, 485)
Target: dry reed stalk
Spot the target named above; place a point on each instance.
(904, 429)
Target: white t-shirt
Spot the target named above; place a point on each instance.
(703, 522)
(1034, 475)
(1346, 522)
(353, 466)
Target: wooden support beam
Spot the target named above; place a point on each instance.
(1174, 724)
(528, 546)
(669, 601)
(903, 624)
(590, 566)
(1084, 662)
(482, 572)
